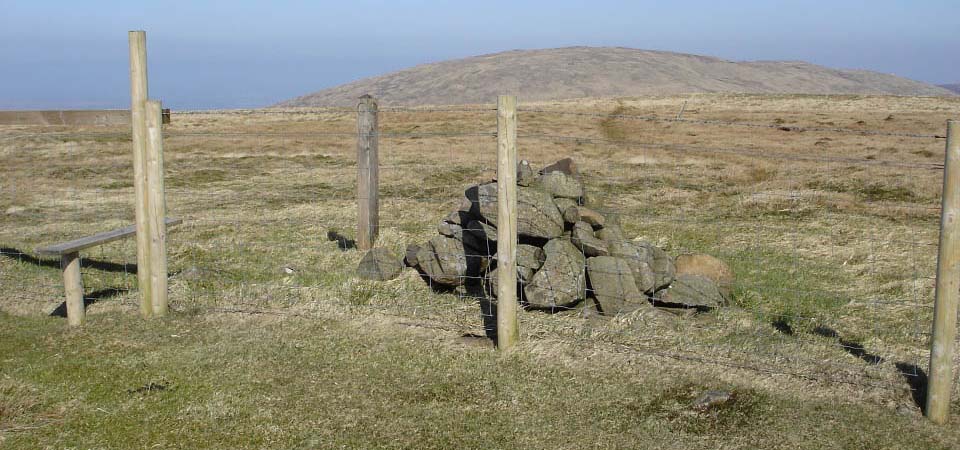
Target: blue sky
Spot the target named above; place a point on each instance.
(228, 54)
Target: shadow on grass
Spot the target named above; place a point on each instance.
(915, 376)
(17, 255)
(90, 299)
(343, 243)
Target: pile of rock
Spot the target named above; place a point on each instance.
(570, 254)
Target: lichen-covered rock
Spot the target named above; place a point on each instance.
(410, 257)
(559, 184)
(537, 214)
(525, 173)
(529, 260)
(584, 214)
(447, 261)
(708, 266)
(640, 260)
(582, 237)
(483, 232)
(563, 204)
(449, 229)
(380, 264)
(692, 291)
(611, 280)
(611, 233)
(561, 281)
(662, 265)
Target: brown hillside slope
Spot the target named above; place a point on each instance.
(576, 72)
(955, 87)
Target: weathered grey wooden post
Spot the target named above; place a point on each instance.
(508, 331)
(941, 376)
(368, 173)
(156, 208)
(138, 121)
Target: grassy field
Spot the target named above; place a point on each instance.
(275, 343)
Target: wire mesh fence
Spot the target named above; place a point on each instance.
(829, 233)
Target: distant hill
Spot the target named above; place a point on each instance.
(575, 72)
(955, 87)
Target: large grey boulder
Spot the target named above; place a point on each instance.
(410, 256)
(559, 184)
(692, 291)
(483, 232)
(662, 265)
(525, 173)
(537, 214)
(447, 261)
(380, 264)
(613, 285)
(561, 281)
(449, 229)
(640, 259)
(611, 233)
(529, 260)
(584, 214)
(582, 237)
(563, 204)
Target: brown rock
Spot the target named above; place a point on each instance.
(710, 267)
(566, 165)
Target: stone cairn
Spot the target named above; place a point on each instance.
(570, 254)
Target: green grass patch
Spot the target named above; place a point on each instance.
(197, 381)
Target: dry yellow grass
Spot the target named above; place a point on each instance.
(826, 230)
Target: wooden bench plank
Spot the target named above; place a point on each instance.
(97, 239)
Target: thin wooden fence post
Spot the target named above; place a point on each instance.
(508, 331)
(157, 210)
(73, 287)
(368, 173)
(941, 379)
(138, 120)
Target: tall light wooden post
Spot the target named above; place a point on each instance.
(138, 120)
(508, 331)
(368, 173)
(941, 376)
(157, 208)
(73, 286)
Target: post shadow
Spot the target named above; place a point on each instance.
(88, 263)
(915, 376)
(93, 297)
(343, 242)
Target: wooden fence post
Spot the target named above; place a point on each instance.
(948, 285)
(138, 120)
(73, 286)
(368, 173)
(508, 331)
(157, 208)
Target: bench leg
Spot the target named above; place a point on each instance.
(73, 287)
